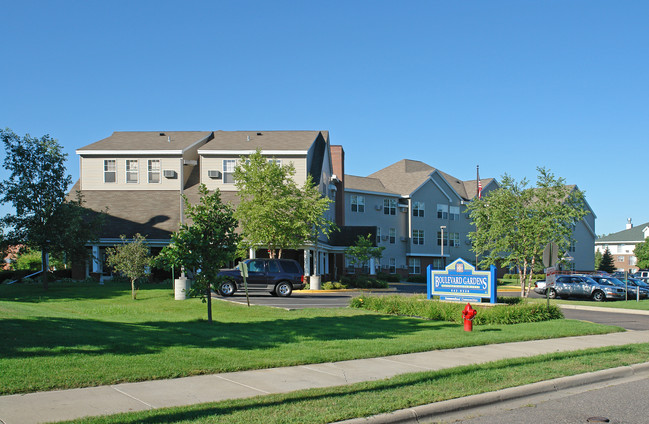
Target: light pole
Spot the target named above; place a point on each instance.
(442, 227)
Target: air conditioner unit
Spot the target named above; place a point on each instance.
(169, 173)
(384, 238)
(378, 207)
(403, 238)
(214, 174)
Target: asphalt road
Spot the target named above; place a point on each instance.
(619, 401)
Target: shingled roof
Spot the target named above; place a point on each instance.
(632, 235)
(172, 141)
(264, 140)
(406, 176)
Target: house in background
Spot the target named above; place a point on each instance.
(138, 179)
(622, 245)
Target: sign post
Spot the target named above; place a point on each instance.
(550, 258)
(460, 282)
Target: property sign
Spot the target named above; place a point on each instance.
(460, 281)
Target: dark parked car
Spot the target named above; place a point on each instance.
(279, 277)
(583, 286)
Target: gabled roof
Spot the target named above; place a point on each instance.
(634, 234)
(406, 176)
(268, 141)
(172, 142)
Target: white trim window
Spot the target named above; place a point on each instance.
(358, 203)
(418, 209)
(153, 171)
(132, 172)
(378, 235)
(228, 170)
(393, 266)
(414, 266)
(454, 239)
(389, 206)
(110, 171)
(442, 211)
(454, 213)
(439, 238)
(418, 237)
(277, 162)
(393, 235)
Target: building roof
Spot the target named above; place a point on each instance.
(129, 141)
(633, 235)
(297, 141)
(406, 176)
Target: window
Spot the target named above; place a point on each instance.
(349, 264)
(418, 209)
(417, 236)
(439, 238)
(572, 246)
(228, 171)
(442, 211)
(393, 235)
(110, 172)
(454, 239)
(414, 266)
(633, 261)
(154, 171)
(358, 203)
(393, 266)
(438, 263)
(378, 235)
(620, 258)
(389, 206)
(277, 162)
(454, 213)
(131, 171)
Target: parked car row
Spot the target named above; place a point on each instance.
(596, 287)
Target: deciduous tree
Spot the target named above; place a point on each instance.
(205, 244)
(641, 252)
(364, 250)
(132, 259)
(274, 211)
(37, 189)
(514, 222)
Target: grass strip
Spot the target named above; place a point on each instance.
(642, 305)
(79, 336)
(404, 391)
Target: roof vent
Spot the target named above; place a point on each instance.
(162, 134)
(247, 138)
(629, 224)
(259, 134)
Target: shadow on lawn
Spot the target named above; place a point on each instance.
(78, 290)
(63, 336)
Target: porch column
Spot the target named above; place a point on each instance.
(307, 265)
(372, 267)
(96, 264)
(252, 253)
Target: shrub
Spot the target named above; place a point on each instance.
(362, 282)
(422, 279)
(417, 306)
(333, 285)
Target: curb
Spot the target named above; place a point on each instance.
(416, 414)
(345, 290)
(604, 309)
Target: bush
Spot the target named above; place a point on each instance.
(422, 279)
(417, 306)
(333, 285)
(363, 282)
(6, 276)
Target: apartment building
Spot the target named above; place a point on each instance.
(622, 245)
(138, 179)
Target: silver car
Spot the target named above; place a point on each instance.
(631, 288)
(583, 286)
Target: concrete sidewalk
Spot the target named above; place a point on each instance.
(70, 404)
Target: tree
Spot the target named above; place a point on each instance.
(364, 250)
(514, 223)
(641, 252)
(131, 259)
(607, 264)
(274, 211)
(598, 259)
(205, 245)
(37, 188)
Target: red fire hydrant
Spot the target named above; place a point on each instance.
(468, 313)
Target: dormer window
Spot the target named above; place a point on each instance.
(110, 171)
(132, 176)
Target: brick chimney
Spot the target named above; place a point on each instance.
(338, 167)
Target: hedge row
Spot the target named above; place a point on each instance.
(362, 282)
(416, 306)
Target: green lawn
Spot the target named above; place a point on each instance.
(78, 335)
(621, 304)
(317, 406)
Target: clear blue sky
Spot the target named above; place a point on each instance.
(508, 85)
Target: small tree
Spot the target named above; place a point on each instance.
(607, 264)
(205, 245)
(598, 259)
(641, 252)
(131, 259)
(364, 250)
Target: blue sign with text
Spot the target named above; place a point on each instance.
(460, 281)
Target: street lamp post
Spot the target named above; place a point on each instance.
(442, 227)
